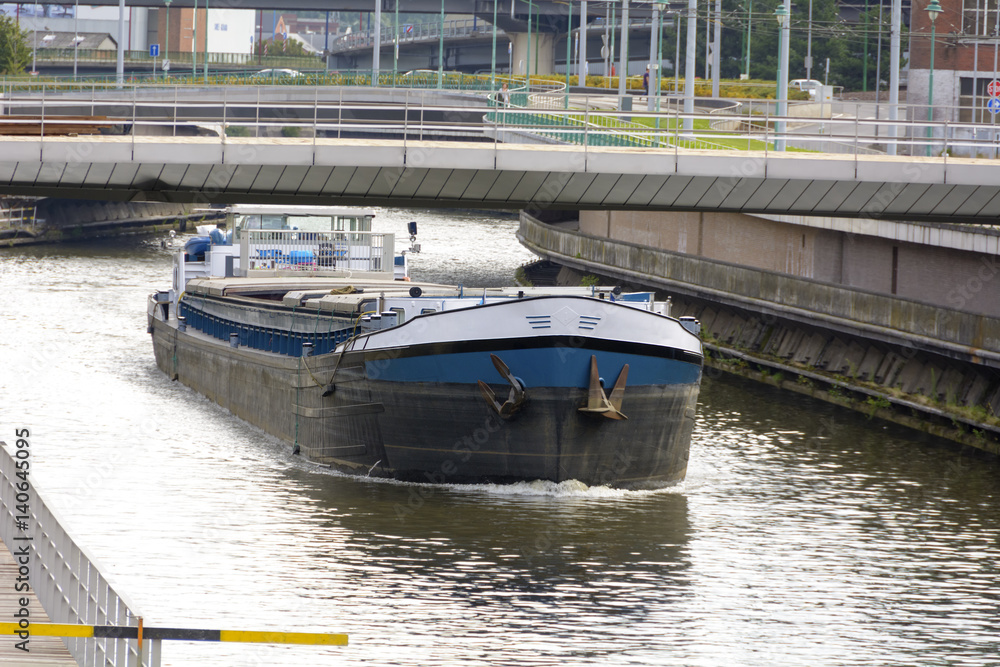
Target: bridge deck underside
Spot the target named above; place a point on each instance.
(439, 174)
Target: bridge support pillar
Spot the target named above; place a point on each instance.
(543, 47)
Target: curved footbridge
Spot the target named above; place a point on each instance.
(404, 172)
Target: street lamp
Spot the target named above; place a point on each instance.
(933, 9)
(783, 14)
(34, 38)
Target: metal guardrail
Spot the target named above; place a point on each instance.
(265, 250)
(177, 58)
(418, 32)
(64, 576)
(320, 113)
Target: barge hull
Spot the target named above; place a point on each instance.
(434, 432)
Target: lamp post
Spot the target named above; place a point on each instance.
(395, 48)
(120, 65)
(166, 36)
(651, 67)
(894, 45)
(569, 32)
(194, 44)
(441, 50)
(493, 51)
(527, 66)
(783, 14)
(581, 55)
(623, 55)
(689, 56)
(377, 52)
(204, 56)
(661, 8)
(933, 9)
(76, 36)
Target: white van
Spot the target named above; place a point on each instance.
(811, 86)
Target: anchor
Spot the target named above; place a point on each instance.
(515, 399)
(597, 400)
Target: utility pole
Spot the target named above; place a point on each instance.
(120, 68)
(623, 57)
(896, 22)
(809, 42)
(377, 49)
(692, 40)
(717, 51)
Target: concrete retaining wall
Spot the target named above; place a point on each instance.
(890, 318)
(917, 358)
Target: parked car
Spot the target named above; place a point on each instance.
(277, 74)
(810, 86)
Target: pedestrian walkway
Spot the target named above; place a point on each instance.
(42, 651)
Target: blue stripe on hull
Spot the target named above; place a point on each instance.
(537, 367)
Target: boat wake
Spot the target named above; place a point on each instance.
(536, 488)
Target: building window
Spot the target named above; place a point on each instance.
(982, 113)
(979, 17)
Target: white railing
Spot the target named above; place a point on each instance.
(64, 576)
(310, 114)
(266, 250)
(417, 32)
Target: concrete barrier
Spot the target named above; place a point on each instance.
(959, 334)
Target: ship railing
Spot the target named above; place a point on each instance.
(19, 217)
(272, 250)
(64, 576)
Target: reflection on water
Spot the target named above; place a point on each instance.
(804, 534)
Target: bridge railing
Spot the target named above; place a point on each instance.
(316, 113)
(64, 576)
(413, 32)
(177, 58)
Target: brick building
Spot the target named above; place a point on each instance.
(966, 59)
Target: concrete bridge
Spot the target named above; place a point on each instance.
(495, 175)
(403, 151)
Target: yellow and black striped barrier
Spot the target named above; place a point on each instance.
(180, 634)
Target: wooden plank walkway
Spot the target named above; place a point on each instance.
(42, 651)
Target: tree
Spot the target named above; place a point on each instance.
(15, 51)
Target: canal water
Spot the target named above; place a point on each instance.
(803, 535)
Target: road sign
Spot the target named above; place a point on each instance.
(154, 50)
(994, 105)
(993, 88)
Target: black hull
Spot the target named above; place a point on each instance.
(438, 433)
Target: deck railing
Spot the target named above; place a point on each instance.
(64, 576)
(267, 250)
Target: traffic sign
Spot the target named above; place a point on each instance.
(154, 50)
(993, 88)
(994, 105)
